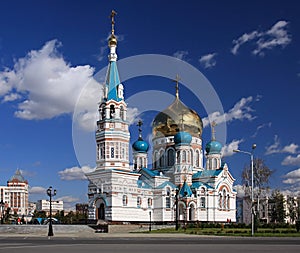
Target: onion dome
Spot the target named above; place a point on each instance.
(213, 147)
(140, 145)
(177, 116)
(183, 138)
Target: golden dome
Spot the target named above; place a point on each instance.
(112, 40)
(170, 121)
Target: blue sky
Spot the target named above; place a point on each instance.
(249, 52)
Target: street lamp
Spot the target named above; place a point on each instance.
(150, 221)
(50, 193)
(176, 213)
(2, 204)
(252, 199)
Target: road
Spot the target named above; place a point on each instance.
(148, 245)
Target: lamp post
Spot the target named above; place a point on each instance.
(50, 193)
(150, 221)
(252, 198)
(176, 213)
(2, 204)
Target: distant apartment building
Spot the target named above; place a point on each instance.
(44, 205)
(15, 194)
(265, 206)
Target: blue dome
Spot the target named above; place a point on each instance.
(213, 147)
(183, 138)
(140, 146)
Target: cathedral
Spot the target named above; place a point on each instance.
(178, 186)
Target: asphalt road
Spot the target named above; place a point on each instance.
(148, 245)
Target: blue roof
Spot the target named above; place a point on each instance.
(167, 184)
(185, 190)
(207, 173)
(112, 81)
(196, 185)
(152, 173)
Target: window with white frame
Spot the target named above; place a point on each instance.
(125, 200)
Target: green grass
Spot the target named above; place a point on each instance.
(262, 232)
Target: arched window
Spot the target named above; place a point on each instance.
(228, 202)
(161, 159)
(224, 199)
(149, 202)
(178, 157)
(202, 202)
(220, 200)
(197, 158)
(168, 198)
(103, 112)
(125, 200)
(214, 164)
(140, 163)
(192, 157)
(192, 213)
(112, 111)
(122, 113)
(139, 201)
(183, 156)
(171, 158)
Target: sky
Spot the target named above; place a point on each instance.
(248, 54)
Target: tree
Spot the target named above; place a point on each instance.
(292, 208)
(278, 212)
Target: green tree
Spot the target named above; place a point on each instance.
(278, 213)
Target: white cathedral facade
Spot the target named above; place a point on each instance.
(177, 186)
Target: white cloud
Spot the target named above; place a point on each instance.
(48, 84)
(240, 111)
(132, 114)
(11, 97)
(68, 199)
(227, 150)
(75, 173)
(292, 177)
(208, 61)
(290, 160)
(181, 54)
(240, 191)
(37, 190)
(261, 127)
(276, 36)
(275, 147)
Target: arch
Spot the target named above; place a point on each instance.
(112, 112)
(192, 157)
(192, 212)
(170, 157)
(122, 112)
(181, 211)
(161, 159)
(100, 204)
(197, 158)
(184, 160)
(214, 164)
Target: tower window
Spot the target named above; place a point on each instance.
(125, 200)
(112, 152)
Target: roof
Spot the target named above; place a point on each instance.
(198, 184)
(207, 173)
(18, 177)
(185, 190)
(152, 173)
(163, 185)
(112, 82)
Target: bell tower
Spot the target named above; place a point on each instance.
(112, 134)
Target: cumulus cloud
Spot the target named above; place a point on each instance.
(75, 173)
(37, 190)
(47, 84)
(227, 150)
(240, 111)
(292, 177)
(291, 160)
(209, 60)
(276, 36)
(181, 54)
(275, 147)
